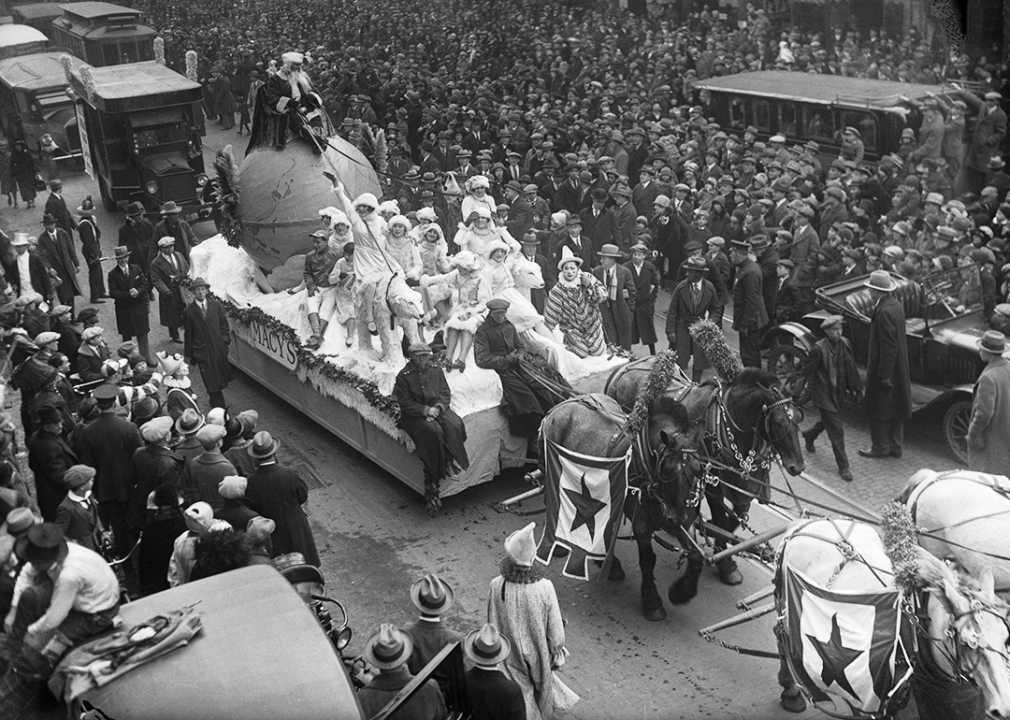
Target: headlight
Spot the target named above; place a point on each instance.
(152, 188)
(202, 179)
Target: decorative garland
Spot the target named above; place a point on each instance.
(310, 361)
(713, 343)
(900, 545)
(663, 372)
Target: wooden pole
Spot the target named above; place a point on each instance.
(754, 597)
(743, 617)
(750, 543)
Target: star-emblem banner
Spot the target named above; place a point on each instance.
(584, 496)
(844, 648)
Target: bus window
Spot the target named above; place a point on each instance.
(737, 115)
(820, 124)
(24, 102)
(865, 123)
(110, 54)
(787, 119)
(761, 115)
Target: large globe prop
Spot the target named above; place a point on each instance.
(282, 191)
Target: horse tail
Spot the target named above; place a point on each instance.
(923, 476)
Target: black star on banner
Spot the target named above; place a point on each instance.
(586, 508)
(835, 657)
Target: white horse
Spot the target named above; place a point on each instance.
(966, 634)
(964, 515)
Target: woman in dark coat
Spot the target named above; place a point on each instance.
(647, 282)
(23, 171)
(164, 523)
(128, 288)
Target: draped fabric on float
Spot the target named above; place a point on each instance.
(584, 496)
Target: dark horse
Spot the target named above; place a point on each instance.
(744, 425)
(664, 470)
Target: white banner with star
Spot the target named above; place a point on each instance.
(584, 496)
(844, 648)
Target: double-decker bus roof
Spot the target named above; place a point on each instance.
(40, 71)
(819, 89)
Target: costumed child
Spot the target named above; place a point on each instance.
(434, 261)
(388, 209)
(470, 308)
(573, 304)
(521, 312)
(339, 227)
(342, 278)
(402, 249)
(478, 233)
(477, 188)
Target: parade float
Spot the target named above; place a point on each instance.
(271, 202)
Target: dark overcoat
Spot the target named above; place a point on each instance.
(683, 313)
(153, 465)
(748, 302)
(107, 445)
(166, 281)
(494, 696)
(277, 492)
(207, 340)
(139, 238)
(57, 207)
(829, 384)
(59, 254)
(888, 360)
(618, 314)
(49, 457)
(647, 284)
(132, 313)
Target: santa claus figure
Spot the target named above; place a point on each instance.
(288, 102)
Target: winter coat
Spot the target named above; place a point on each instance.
(185, 238)
(153, 465)
(888, 360)
(988, 134)
(132, 313)
(988, 449)
(829, 392)
(618, 313)
(201, 476)
(166, 281)
(206, 343)
(107, 445)
(748, 304)
(139, 238)
(58, 254)
(647, 283)
(277, 492)
(49, 457)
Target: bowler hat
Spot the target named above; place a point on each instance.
(48, 219)
(263, 445)
(992, 341)
(487, 646)
(198, 282)
(600, 195)
(48, 414)
(19, 521)
(389, 648)
(880, 280)
(42, 544)
(432, 595)
(134, 209)
(55, 183)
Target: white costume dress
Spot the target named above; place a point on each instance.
(521, 312)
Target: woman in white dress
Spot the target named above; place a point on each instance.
(521, 312)
(401, 247)
(478, 233)
(470, 308)
(477, 196)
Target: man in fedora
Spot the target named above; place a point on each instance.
(749, 313)
(493, 695)
(57, 207)
(108, 445)
(25, 272)
(388, 651)
(278, 492)
(49, 457)
(531, 251)
(91, 249)
(694, 298)
(433, 596)
(888, 386)
(80, 600)
(423, 395)
(168, 270)
(988, 449)
(598, 223)
(56, 250)
(186, 426)
(580, 245)
(520, 217)
(128, 286)
(618, 309)
(137, 236)
(172, 225)
(207, 337)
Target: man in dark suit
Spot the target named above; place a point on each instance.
(598, 222)
(172, 225)
(433, 596)
(57, 207)
(531, 251)
(493, 695)
(278, 493)
(167, 271)
(767, 260)
(618, 310)
(107, 445)
(520, 213)
(56, 250)
(569, 193)
(128, 288)
(49, 457)
(647, 282)
(207, 337)
(91, 249)
(579, 245)
(26, 273)
(78, 513)
(694, 298)
(443, 154)
(137, 235)
(888, 385)
(749, 314)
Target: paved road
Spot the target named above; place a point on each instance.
(375, 538)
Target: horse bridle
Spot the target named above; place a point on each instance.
(766, 414)
(953, 649)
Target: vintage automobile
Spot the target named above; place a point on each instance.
(943, 324)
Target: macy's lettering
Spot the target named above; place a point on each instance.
(271, 342)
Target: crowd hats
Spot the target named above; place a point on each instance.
(198, 517)
(831, 321)
(497, 304)
(157, 429)
(232, 487)
(77, 475)
(609, 250)
(419, 348)
(568, 256)
(121, 251)
(432, 595)
(521, 546)
(880, 280)
(696, 263)
(209, 435)
(993, 341)
(48, 414)
(134, 209)
(189, 422)
(389, 648)
(166, 242)
(487, 646)
(87, 208)
(263, 445)
(19, 521)
(170, 208)
(198, 282)
(43, 544)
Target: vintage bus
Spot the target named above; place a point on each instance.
(805, 106)
(37, 15)
(21, 40)
(141, 126)
(34, 102)
(103, 34)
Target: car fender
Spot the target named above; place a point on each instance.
(952, 395)
(795, 332)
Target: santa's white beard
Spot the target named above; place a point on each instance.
(299, 83)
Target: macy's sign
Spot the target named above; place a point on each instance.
(279, 347)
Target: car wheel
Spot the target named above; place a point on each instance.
(786, 363)
(955, 429)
